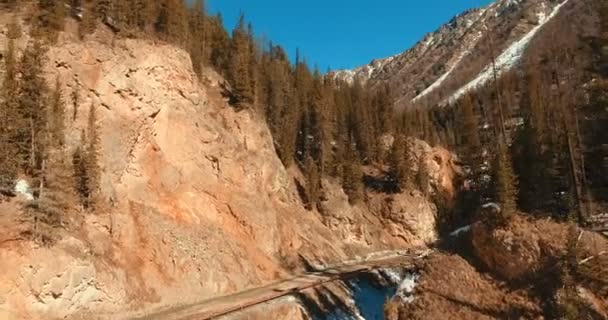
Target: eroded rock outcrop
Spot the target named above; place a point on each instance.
(562, 265)
(197, 202)
(450, 288)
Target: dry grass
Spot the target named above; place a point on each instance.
(452, 289)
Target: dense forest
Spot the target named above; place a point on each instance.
(534, 137)
(532, 140)
(324, 127)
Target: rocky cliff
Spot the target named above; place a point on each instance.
(197, 203)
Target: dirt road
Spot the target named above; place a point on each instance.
(225, 305)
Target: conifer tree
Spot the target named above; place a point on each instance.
(198, 33)
(535, 188)
(55, 192)
(85, 164)
(253, 67)
(75, 7)
(89, 18)
(10, 3)
(281, 111)
(400, 163)
(10, 120)
(361, 122)
(32, 102)
(13, 30)
(505, 181)
(104, 9)
(91, 160)
(321, 122)
(239, 69)
(471, 150)
(219, 45)
(75, 102)
(81, 181)
(51, 18)
(313, 182)
(53, 204)
(141, 13)
(57, 117)
(172, 21)
(352, 174)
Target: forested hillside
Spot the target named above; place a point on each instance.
(323, 126)
(151, 160)
(533, 137)
(148, 151)
(539, 125)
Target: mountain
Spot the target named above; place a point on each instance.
(458, 56)
(155, 166)
(194, 201)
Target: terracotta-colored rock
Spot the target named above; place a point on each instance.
(197, 203)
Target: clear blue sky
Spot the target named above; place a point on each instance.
(343, 33)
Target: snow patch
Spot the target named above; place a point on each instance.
(507, 59)
(405, 291)
(542, 14)
(460, 231)
(393, 275)
(441, 79)
(363, 73)
(469, 46)
(23, 188)
(491, 205)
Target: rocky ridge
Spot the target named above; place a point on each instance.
(458, 56)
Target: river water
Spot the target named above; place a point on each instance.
(369, 294)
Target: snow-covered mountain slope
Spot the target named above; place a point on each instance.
(458, 56)
(509, 57)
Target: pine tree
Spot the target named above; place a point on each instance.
(13, 30)
(75, 102)
(322, 121)
(536, 189)
(253, 68)
(198, 33)
(91, 161)
(89, 18)
(239, 69)
(57, 116)
(10, 3)
(471, 149)
(32, 102)
(172, 21)
(352, 174)
(75, 7)
(219, 45)
(400, 163)
(81, 179)
(281, 113)
(505, 181)
(50, 19)
(10, 120)
(361, 122)
(104, 9)
(50, 209)
(55, 194)
(140, 13)
(85, 164)
(313, 183)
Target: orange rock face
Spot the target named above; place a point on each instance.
(197, 202)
